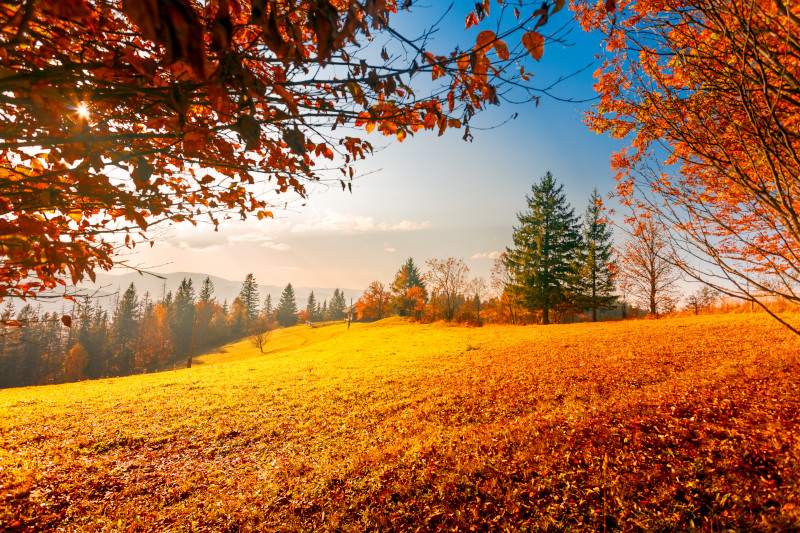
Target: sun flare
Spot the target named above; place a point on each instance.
(83, 111)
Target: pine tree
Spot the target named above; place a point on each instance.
(323, 312)
(249, 297)
(311, 307)
(182, 317)
(407, 278)
(286, 314)
(597, 270)
(268, 309)
(337, 305)
(125, 331)
(207, 291)
(545, 249)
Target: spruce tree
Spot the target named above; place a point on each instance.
(311, 307)
(596, 268)
(286, 314)
(337, 306)
(268, 309)
(249, 297)
(545, 249)
(406, 278)
(126, 330)
(207, 291)
(181, 313)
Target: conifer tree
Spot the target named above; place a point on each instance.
(545, 249)
(407, 278)
(249, 297)
(268, 309)
(337, 305)
(311, 307)
(596, 267)
(126, 331)
(207, 291)
(182, 317)
(286, 314)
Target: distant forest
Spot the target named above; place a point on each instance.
(140, 334)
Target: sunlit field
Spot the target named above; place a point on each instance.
(671, 425)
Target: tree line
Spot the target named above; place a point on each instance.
(558, 268)
(140, 333)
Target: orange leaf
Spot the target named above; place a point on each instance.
(534, 42)
(502, 50)
(472, 20)
(485, 38)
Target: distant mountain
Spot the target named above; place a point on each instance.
(109, 286)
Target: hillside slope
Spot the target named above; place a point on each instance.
(635, 426)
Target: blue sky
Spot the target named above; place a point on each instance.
(426, 197)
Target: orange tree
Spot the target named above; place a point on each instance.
(375, 303)
(118, 115)
(708, 94)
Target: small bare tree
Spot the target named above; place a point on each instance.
(647, 269)
(265, 326)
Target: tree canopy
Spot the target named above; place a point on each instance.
(707, 92)
(121, 115)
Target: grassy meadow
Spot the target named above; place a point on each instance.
(674, 425)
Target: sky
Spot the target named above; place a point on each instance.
(427, 197)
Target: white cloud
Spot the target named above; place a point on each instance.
(279, 246)
(349, 224)
(405, 225)
(390, 250)
(484, 255)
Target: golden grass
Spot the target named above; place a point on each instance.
(635, 426)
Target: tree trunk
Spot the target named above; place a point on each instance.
(545, 316)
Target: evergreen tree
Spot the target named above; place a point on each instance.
(545, 249)
(182, 317)
(597, 269)
(207, 291)
(268, 309)
(311, 307)
(249, 297)
(337, 305)
(286, 314)
(407, 278)
(323, 312)
(126, 331)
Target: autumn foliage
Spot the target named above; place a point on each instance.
(121, 115)
(707, 95)
(689, 424)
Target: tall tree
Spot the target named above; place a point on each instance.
(182, 314)
(178, 98)
(448, 279)
(286, 313)
(408, 277)
(249, 297)
(338, 305)
(545, 249)
(311, 307)
(647, 267)
(707, 93)
(268, 309)
(597, 269)
(126, 331)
